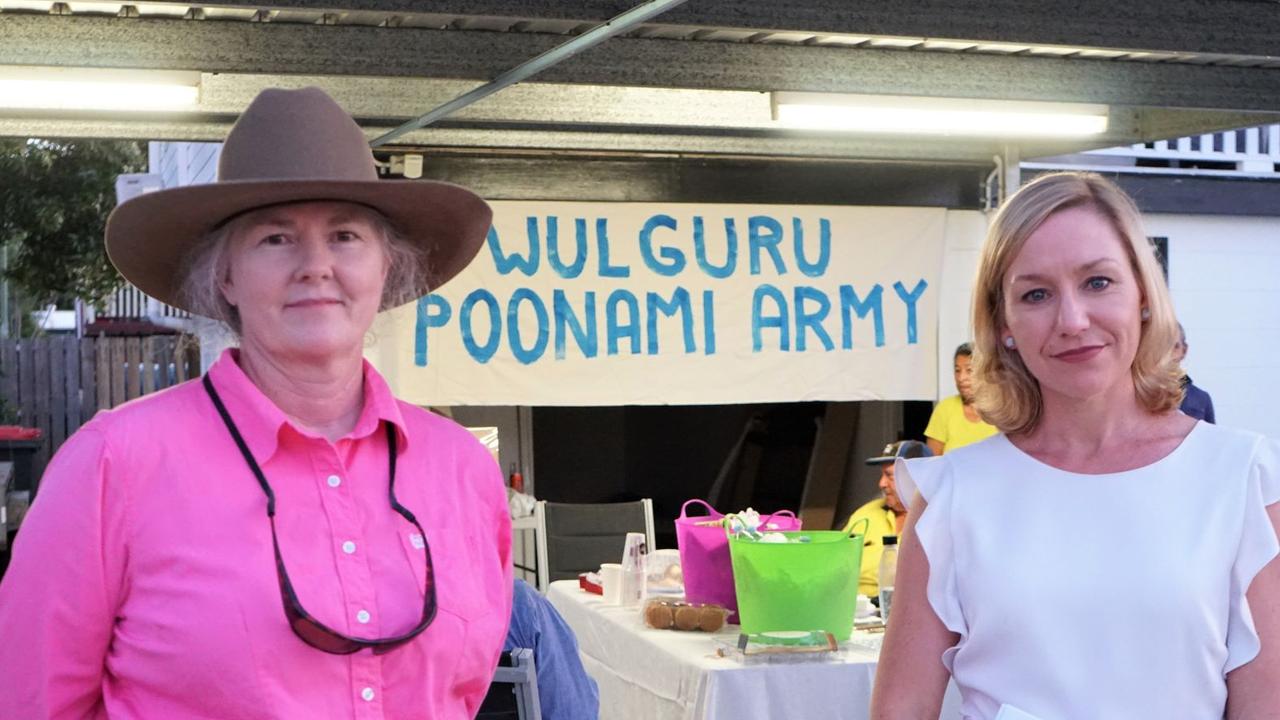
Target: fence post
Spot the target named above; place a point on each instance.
(114, 366)
(26, 384)
(9, 375)
(87, 391)
(57, 391)
(42, 414)
(133, 366)
(147, 367)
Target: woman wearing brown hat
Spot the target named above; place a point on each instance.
(283, 538)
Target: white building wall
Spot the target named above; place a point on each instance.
(1224, 273)
(184, 163)
(965, 232)
(192, 163)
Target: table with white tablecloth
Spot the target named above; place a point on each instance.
(647, 674)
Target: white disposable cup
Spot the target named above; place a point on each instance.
(611, 580)
(634, 551)
(635, 555)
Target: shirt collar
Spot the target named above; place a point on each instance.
(261, 422)
(380, 405)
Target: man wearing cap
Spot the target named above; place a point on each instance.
(884, 515)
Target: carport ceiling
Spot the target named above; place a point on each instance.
(695, 81)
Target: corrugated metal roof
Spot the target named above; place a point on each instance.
(268, 13)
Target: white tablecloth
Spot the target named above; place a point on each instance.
(647, 674)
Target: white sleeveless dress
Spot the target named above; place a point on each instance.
(1119, 595)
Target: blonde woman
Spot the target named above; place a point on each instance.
(1106, 556)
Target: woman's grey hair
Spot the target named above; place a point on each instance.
(206, 265)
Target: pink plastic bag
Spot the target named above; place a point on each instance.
(704, 554)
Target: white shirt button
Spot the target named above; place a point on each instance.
(348, 547)
(367, 694)
(363, 616)
(334, 481)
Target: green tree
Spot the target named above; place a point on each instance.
(54, 200)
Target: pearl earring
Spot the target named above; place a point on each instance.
(1009, 343)
(1146, 313)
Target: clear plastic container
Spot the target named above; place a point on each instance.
(635, 554)
(888, 574)
(664, 614)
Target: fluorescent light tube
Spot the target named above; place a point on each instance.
(84, 89)
(888, 114)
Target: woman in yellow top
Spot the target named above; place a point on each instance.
(955, 421)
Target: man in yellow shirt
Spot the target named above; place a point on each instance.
(955, 421)
(884, 515)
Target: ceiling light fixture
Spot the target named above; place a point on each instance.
(33, 88)
(903, 115)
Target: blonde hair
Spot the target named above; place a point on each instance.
(1006, 394)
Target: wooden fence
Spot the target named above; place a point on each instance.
(57, 383)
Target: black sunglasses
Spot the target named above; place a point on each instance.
(312, 631)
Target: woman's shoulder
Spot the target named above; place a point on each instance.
(153, 411)
(991, 449)
(1225, 435)
(977, 463)
(923, 474)
(421, 419)
(440, 431)
(1215, 443)
(949, 404)
(1208, 441)
(128, 434)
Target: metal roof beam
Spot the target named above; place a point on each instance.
(281, 48)
(527, 69)
(480, 139)
(1233, 27)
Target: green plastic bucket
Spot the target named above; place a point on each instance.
(798, 586)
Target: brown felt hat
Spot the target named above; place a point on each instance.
(292, 146)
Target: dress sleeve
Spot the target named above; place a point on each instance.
(933, 478)
(64, 584)
(1258, 546)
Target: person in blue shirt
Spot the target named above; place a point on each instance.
(565, 691)
(1195, 402)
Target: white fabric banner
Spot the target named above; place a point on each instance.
(649, 303)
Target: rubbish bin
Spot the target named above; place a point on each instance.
(21, 453)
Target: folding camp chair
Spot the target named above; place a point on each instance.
(575, 538)
(513, 695)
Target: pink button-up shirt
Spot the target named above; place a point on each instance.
(143, 583)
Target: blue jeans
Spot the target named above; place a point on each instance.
(565, 691)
